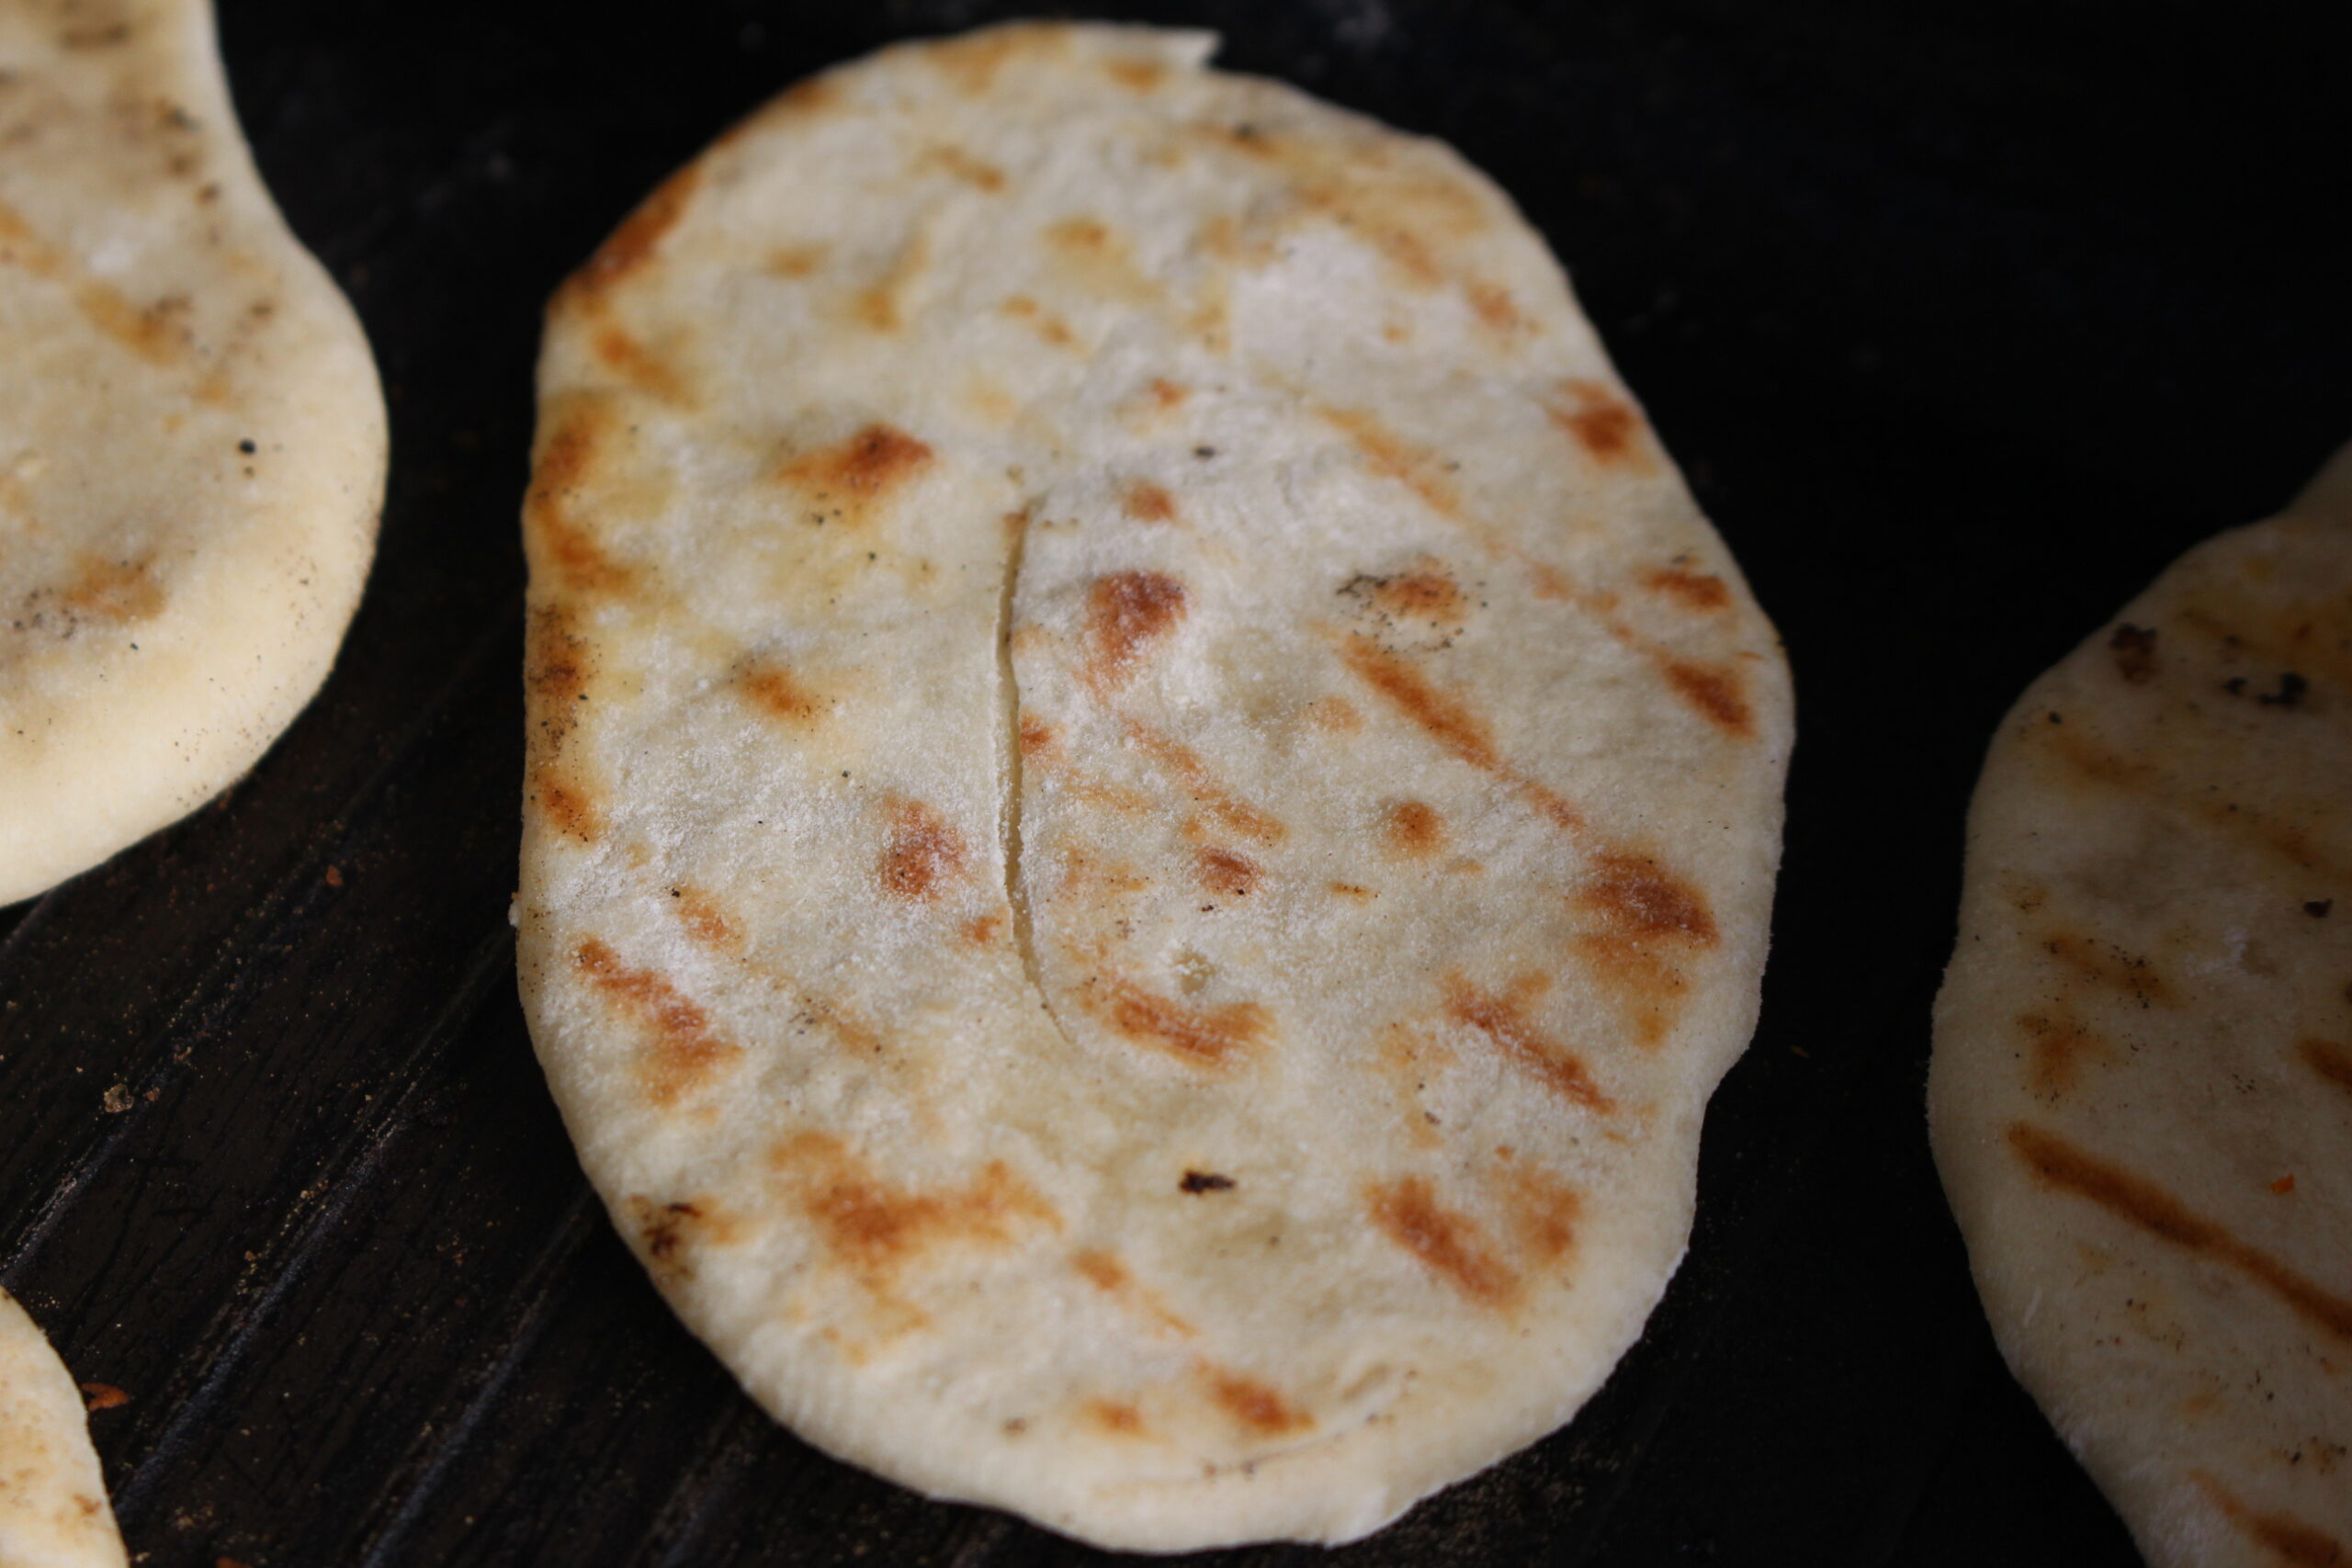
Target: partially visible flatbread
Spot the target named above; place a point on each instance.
(1151, 812)
(54, 1510)
(2141, 1091)
(191, 438)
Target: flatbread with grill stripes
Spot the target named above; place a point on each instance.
(54, 1510)
(2141, 1099)
(1151, 811)
(192, 441)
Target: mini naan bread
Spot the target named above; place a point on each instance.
(191, 438)
(2141, 1099)
(1150, 811)
(54, 1510)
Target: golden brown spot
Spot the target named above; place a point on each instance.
(851, 478)
(1449, 1244)
(2134, 648)
(971, 62)
(1408, 1061)
(1600, 421)
(1502, 1021)
(1110, 1276)
(2284, 1185)
(1223, 872)
(1036, 735)
(1115, 1417)
(1640, 898)
(566, 805)
(1391, 457)
(1715, 690)
(922, 852)
(2060, 1043)
(1448, 720)
(772, 689)
(1125, 612)
(1336, 715)
(982, 929)
(796, 261)
(1492, 304)
(1543, 1209)
(637, 365)
(1697, 590)
(1138, 75)
(1046, 325)
(874, 1228)
(104, 1396)
(2110, 965)
(1166, 394)
(554, 671)
(881, 305)
(972, 171)
(633, 244)
(1200, 1037)
(1088, 253)
(1355, 890)
(701, 915)
(2139, 1201)
(1254, 1405)
(1202, 785)
(117, 590)
(2139, 776)
(2285, 1537)
(564, 460)
(1148, 503)
(1413, 830)
(682, 1054)
(2329, 1059)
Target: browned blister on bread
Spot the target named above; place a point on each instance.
(2142, 1094)
(1150, 812)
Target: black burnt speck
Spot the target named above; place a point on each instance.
(1205, 1182)
(2318, 908)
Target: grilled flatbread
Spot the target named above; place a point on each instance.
(191, 438)
(54, 1510)
(2141, 1091)
(1151, 811)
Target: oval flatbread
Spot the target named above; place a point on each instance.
(192, 441)
(1150, 812)
(2141, 1099)
(54, 1510)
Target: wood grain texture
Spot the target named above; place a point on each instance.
(1919, 315)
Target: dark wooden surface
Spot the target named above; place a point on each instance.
(1963, 320)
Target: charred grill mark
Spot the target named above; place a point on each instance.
(1137, 75)
(773, 690)
(566, 805)
(2329, 1059)
(1392, 456)
(2141, 1202)
(1115, 1415)
(851, 479)
(564, 463)
(1450, 721)
(555, 673)
(639, 366)
(1695, 590)
(2113, 967)
(122, 591)
(1107, 1274)
(1494, 307)
(2134, 648)
(874, 1229)
(2060, 1043)
(1044, 322)
(1202, 785)
(681, 1053)
(1125, 613)
(1450, 1245)
(922, 852)
(633, 244)
(705, 920)
(1602, 422)
(1253, 1404)
(1715, 690)
(1413, 830)
(974, 172)
(2294, 1542)
(1640, 898)
(1226, 873)
(1210, 1038)
(1148, 503)
(1542, 1211)
(1523, 1045)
